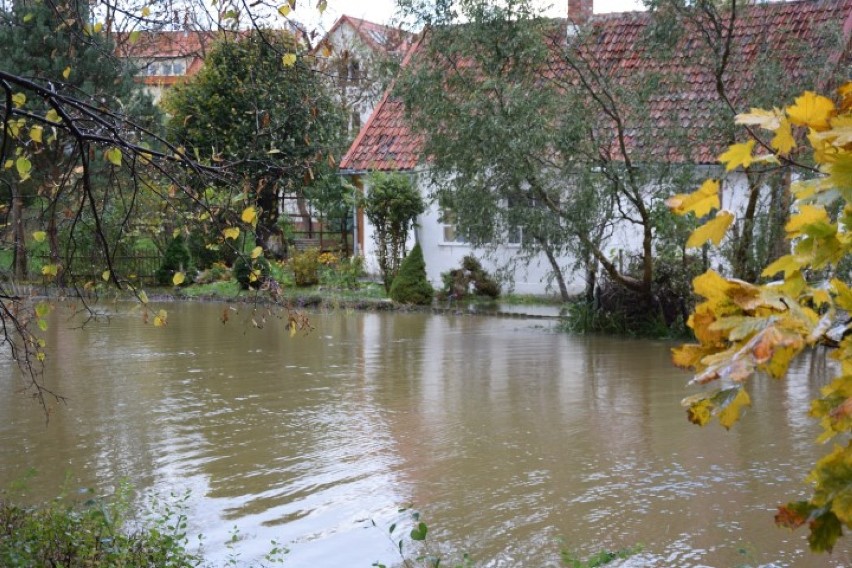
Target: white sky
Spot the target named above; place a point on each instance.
(381, 11)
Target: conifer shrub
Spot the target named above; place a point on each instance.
(251, 272)
(411, 285)
(176, 259)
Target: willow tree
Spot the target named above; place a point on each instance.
(551, 129)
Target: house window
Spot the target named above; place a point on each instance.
(451, 233)
(354, 72)
(166, 68)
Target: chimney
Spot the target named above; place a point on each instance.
(579, 11)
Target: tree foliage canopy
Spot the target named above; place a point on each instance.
(272, 121)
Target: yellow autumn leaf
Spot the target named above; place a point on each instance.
(179, 278)
(783, 141)
(50, 270)
(146, 11)
(698, 411)
(9, 164)
(39, 236)
(143, 297)
(161, 319)
(284, 10)
(811, 110)
(710, 285)
(712, 230)
(288, 59)
(66, 72)
(807, 215)
(36, 134)
(52, 116)
(322, 5)
(18, 100)
(105, 275)
(766, 119)
(731, 413)
(844, 294)
(786, 264)
(292, 328)
(231, 233)
(254, 275)
(256, 252)
(738, 155)
(700, 202)
(840, 174)
(845, 93)
(249, 215)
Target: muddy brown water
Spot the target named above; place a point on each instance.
(514, 441)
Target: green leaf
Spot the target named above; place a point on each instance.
(113, 156)
(825, 530)
(42, 309)
(24, 167)
(419, 532)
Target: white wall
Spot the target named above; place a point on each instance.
(533, 277)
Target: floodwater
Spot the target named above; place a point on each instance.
(514, 441)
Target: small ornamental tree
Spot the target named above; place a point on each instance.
(392, 206)
(411, 285)
(743, 328)
(175, 265)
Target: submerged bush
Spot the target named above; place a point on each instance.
(411, 285)
(470, 279)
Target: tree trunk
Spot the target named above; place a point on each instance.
(18, 234)
(742, 268)
(780, 212)
(557, 271)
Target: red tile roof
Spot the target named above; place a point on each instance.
(614, 43)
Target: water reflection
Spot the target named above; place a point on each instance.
(509, 437)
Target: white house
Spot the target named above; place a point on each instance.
(388, 144)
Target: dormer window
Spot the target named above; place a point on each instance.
(166, 68)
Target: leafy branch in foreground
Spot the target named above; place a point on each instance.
(744, 328)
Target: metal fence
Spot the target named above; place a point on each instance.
(138, 267)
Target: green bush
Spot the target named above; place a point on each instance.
(245, 267)
(90, 534)
(176, 259)
(306, 266)
(343, 274)
(411, 285)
